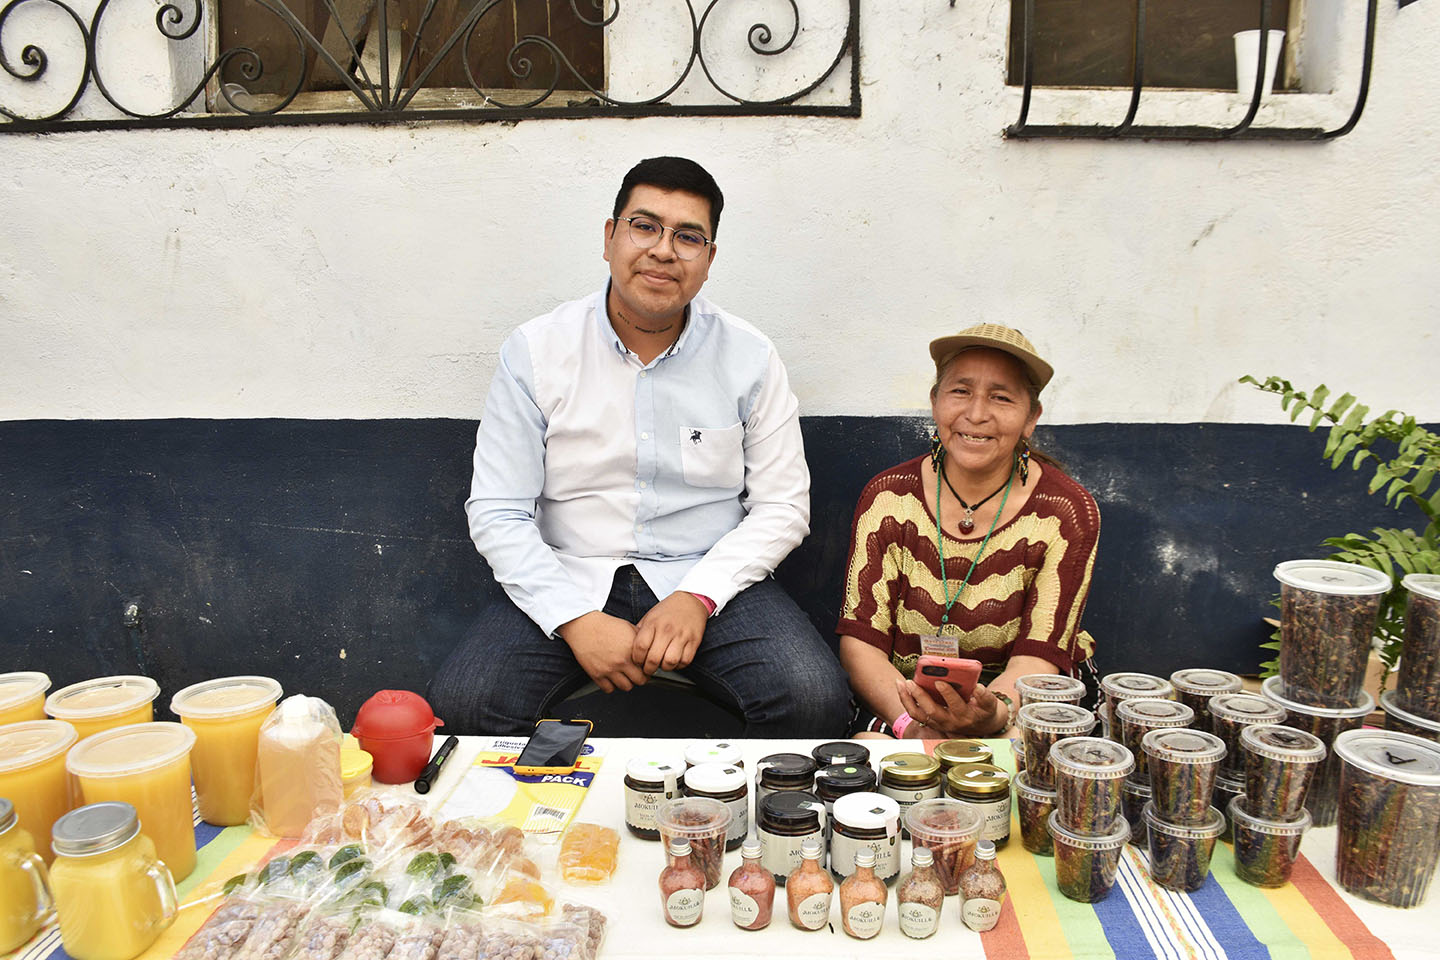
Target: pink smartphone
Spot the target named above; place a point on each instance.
(960, 674)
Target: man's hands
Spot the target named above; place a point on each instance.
(948, 714)
(619, 655)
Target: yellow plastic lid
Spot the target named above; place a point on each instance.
(18, 687)
(354, 762)
(225, 697)
(101, 697)
(134, 748)
(33, 741)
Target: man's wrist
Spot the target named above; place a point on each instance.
(709, 604)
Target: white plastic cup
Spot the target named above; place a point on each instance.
(1247, 55)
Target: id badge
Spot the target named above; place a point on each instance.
(940, 646)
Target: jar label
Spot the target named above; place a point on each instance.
(739, 818)
(980, 914)
(843, 850)
(994, 818)
(640, 807)
(743, 908)
(918, 920)
(780, 855)
(684, 906)
(864, 919)
(814, 911)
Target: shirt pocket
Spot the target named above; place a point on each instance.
(713, 456)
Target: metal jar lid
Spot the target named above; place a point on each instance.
(94, 829)
(1063, 719)
(7, 815)
(1276, 742)
(1202, 681)
(977, 780)
(954, 752)
(841, 752)
(904, 768)
(1149, 712)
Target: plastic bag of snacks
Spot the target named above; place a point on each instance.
(588, 853)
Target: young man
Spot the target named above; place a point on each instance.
(639, 473)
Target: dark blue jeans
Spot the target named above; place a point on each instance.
(760, 654)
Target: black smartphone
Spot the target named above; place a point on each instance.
(554, 747)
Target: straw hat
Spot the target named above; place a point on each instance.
(996, 337)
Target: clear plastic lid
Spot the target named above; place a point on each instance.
(655, 769)
(713, 751)
(225, 697)
(16, 688)
(1126, 686)
(101, 697)
(1241, 816)
(1213, 826)
(1155, 713)
(692, 817)
(867, 811)
(1202, 681)
(1064, 719)
(1245, 708)
(134, 748)
(1113, 840)
(1393, 709)
(714, 778)
(1092, 758)
(1282, 743)
(1271, 690)
(1049, 686)
(1332, 577)
(1401, 757)
(1028, 791)
(33, 741)
(1183, 746)
(1425, 584)
(1137, 788)
(943, 819)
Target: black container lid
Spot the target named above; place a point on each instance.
(846, 778)
(791, 808)
(841, 752)
(786, 768)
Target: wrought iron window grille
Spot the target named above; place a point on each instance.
(1127, 129)
(379, 96)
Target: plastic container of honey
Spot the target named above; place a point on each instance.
(146, 765)
(112, 894)
(32, 774)
(226, 715)
(25, 901)
(22, 696)
(95, 705)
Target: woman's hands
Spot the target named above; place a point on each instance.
(948, 714)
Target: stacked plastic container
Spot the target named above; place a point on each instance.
(1414, 705)
(1269, 819)
(1088, 828)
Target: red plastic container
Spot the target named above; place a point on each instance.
(397, 728)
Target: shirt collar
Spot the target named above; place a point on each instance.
(602, 313)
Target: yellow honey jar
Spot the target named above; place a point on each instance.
(226, 715)
(22, 696)
(25, 901)
(94, 705)
(32, 773)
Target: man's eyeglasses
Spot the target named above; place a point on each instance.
(646, 232)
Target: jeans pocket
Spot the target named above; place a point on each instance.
(713, 456)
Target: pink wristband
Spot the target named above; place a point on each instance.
(709, 604)
(900, 724)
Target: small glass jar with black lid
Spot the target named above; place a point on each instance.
(842, 753)
(726, 783)
(783, 771)
(784, 820)
(986, 788)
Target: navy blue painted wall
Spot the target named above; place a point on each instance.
(269, 546)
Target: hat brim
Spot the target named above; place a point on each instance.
(944, 348)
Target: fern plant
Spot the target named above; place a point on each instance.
(1402, 458)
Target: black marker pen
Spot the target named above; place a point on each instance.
(432, 769)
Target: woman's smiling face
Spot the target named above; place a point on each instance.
(982, 407)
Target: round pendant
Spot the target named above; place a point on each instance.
(967, 524)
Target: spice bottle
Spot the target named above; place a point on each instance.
(920, 896)
(809, 888)
(982, 890)
(752, 890)
(862, 899)
(682, 887)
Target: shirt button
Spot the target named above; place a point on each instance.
(644, 436)
(639, 528)
(643, 484)
(643, 374)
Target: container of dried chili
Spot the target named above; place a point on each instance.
(1327, 723)
(1389, 817)
(1044, 724)
(1128, 686)
(1035, 804)
(1328, 611)
(1052, 687)
(1133, 800)
(949, 829)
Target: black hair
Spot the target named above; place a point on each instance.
(673, 173)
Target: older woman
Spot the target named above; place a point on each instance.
(980, 550)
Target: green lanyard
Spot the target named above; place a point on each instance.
(940, 543)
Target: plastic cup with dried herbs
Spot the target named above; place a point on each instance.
(1418, 684)
(1265, 850)
(1195, 686)
(1327, 723)
(1280, 762)
(1049, 687)
(1231, 713)
(949, 829)
(1138, 717)
(702, 821)
(1183, 766)
(1129, 686)
(1085, 867)
(1044, 724)
(1403, 721)
(1089, 775)
(1034, 806)
(1328, 612)
(1226, 790)
(1133, 800)
(1179, 853)
(1389, 818)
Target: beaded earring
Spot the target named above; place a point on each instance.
(937, 451)
(1023, 460)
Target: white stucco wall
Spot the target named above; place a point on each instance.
(354, 271)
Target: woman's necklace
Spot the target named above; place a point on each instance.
(967, 522)
(940, 541)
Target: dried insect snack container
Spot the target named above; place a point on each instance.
(1280, 762)
(950, 830)
(1049, 687)
(1085, 866)
(1389, 817)
(226, 715)
(95, 705)
(1180, 853)
(713, 751)
(25, 900)
(1403, 721)
(1089, 775)
(1194, 686)
(1184, 765)
(649, 781)
(32, 774)
(784, 820)
(865, 821)
(1107, 723)
(1327, 723)
(1034, 806)
(726, 783)
(985, 787)
(1328, 612)
(908, 778)
(1265, 850)
(22, 696)
(703, 821)
(1139, 716)
(1230, 713)
(1227, 789)
(1044, 724)
(953, 753)
(1128, 686)
(1133, 798)
(841, 752)
(783, 771)
(1417, 686)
